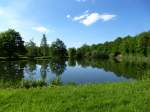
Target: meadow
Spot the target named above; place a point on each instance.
(109, 97)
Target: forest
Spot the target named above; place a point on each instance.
(138, 45)
(13, 46)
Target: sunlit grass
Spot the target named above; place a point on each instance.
(115, 97)
(23, 84)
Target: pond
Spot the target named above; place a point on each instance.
(76, 71)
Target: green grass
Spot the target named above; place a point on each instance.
(115, 97)
(22, 84)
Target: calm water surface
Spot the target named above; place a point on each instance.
(87, 71)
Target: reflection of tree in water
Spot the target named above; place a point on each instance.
(136, 70)
(58, 67)
(11, 71)
(71, 62)
(44, 69)
(30, 69)
(84, 62)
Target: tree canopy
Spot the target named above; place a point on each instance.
(138, 45)
(58, 49)
(11, 44)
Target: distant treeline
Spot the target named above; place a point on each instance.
(12, 46)
(138, 45)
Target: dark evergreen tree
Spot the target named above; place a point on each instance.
(44, 46)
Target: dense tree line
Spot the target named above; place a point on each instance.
(56, 49)
(12, 45)
(138, 45)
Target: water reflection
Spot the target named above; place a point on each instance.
(58, 67)
(30, 69)
(71, 62)
(44, 69)
(128, 69)
(59, 71)
(11, 71)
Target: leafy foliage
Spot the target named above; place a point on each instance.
(72, 52)
(138, 45)
(32, 49)
(58, 49)
(11, 44)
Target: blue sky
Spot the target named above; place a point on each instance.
(76, 22)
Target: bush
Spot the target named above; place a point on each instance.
(32, 84)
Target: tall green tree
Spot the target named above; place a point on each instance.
(44, 46)
(83, 51)
(72, 52)
(144, 43)
(32, 49)
(58, 49)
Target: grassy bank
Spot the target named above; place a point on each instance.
(116, 97)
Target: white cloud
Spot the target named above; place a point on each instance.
(41, 29)
(80, 17)
(107, 17)
(68, 16)
(88, 19)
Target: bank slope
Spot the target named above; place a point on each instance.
(116, 97)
